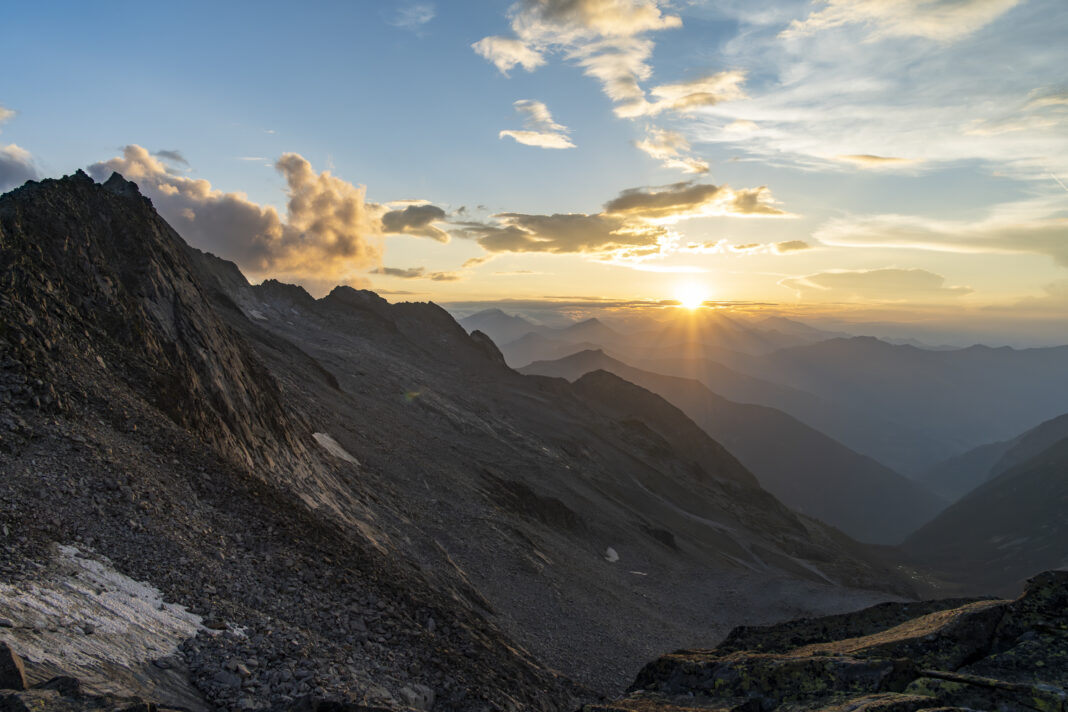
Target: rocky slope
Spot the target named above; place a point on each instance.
(807, 470)
(342, 499)
(1003, 531)
(983, 655)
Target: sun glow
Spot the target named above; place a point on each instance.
(690, 296)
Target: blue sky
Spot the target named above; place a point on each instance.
(867, 156)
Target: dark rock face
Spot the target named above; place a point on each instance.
(93, 279)
(989, 654)
(12, 673)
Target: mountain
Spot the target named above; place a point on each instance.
(955, 477)
(963, 398)
(1003, 531)
(589, 330)
(809, 471)
(499, 326)
(537, 346)
(938, 655)
(862, 429)
(342, 501)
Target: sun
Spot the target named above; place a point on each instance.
(690, 296)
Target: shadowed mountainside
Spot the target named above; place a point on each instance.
(807, 470)
(1003, 531)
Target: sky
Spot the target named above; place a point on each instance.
(855, 160)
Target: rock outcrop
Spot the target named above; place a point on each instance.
(1004, 655)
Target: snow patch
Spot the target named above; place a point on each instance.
(257, 314)
(334, 448)
(83, 614)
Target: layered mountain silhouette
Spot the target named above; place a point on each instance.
(809, 471)
(1009, 527)
(959, 475)
(363, 484)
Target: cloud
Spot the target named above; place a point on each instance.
(16, 166)
(172, 156)
(567, 20)
(329, 232)
(722, 247)
(413, 17)
(476, 261)
(416, 273)
(942, 20)
(5, 113)
(867, 160)
(606, 38)
(671, 149)
(690, 200)
(416, 220)
(1041, 102)
(631, 228)
(1000, 234)
(560, 233)
(541, 130)
(788, 246)
(506, 53)
(686, 97)
(878, 284)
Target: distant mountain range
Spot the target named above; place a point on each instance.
(909, 408)
(809, 471)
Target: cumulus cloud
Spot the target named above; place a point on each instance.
(1001, 234)
(416, 273)
(541, 129)
(878, 284)
(690, 200)
(329, 232)
(671, 149)
(174, 156)
(943, 20)
(16, 166)
(416, 220)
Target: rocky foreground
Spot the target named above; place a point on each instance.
(895, 657)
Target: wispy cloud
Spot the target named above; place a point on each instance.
(5, 113)
(891, 284)
(931, 19)
(541, 129)
(417, 273)
(998, 234)
(412, 17)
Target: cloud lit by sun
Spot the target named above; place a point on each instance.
(690, 295)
